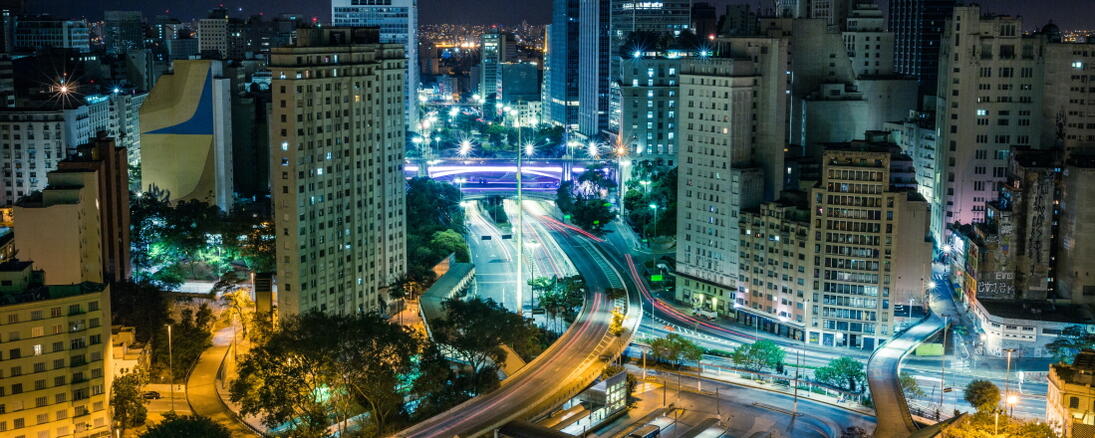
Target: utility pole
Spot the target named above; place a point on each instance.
(171, 365)
(520, 229)
(943, 366)
(1007, 378)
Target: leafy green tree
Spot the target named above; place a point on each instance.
(843, 372)
(982, 394)
(593, 214)
(188, 426)
(982, 424)
(1069, 343)
(126, 401)
(477, 328)
(442, 384)
(450, 242)
(584, 200)
(190, 336)
(675, 349)
(910, 386)
(317, 368)
(758, 356)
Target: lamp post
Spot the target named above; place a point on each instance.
(1007, 377)
(520, 230)
(171, 366)
(1011, 401)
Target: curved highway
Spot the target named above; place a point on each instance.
(891, 408)
(560, 372)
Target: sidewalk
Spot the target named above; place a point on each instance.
(202, 393)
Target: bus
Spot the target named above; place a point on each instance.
(647, 431)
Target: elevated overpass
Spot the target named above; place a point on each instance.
(562, 371)
(883, 370)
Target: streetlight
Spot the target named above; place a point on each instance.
(530, 149)
(465, 148)
(1011, 401)
(594, 150)
(171, 366)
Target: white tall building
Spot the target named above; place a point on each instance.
(33, 140)
(989, 99)
(718, 177)
(213, 35)
(337, 138)
(398, 23)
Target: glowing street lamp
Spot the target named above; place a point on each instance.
(530, 149)
(465, 147)
(594, 149)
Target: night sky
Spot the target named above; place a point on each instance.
(1068, 14)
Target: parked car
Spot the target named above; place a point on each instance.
(151, 395)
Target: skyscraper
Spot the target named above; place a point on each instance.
(561, 104)
(917, 26)
(495, 48)
(337, 179)
(123, 31)
(398, 23)
(593, 67)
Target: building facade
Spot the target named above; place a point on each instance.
(594, 55)
(57, 359)
(186, 138)
(989, 99)
(1070, 401)
(398, 23)
(649, 96)
(562, 62)
(40, 32)
(917, 26)
(123, 31)
(337, 181)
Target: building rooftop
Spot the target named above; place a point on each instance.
(1039, 311)
(42, 293)
(1080, 372)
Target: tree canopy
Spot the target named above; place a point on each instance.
(758, 356)
(1071, 340)
(585, 200)
(982, 394)
(187, 426)
(319, 369)
(675, 349)
(843, 372)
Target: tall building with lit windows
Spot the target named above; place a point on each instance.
(337, 141)
(561, 81)
(56, 355)
(990, 93)
(870, 244)
(398, 23)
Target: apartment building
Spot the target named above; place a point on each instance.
(337, 141)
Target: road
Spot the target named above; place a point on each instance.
(560, 372)
(201, 392)
(746, 411)
(883, 368)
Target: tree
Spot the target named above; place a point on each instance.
(584, 200)
(1071, 340)
(477, 328)
(983, 395)
(844, 372)
(758, 356)
(317, 369)
(140, 305)
(675, 349)
(126, 401)
(174, 426)
(983, 423)
(238, 305)
(910, 386)
(450, 242)
(190, 336)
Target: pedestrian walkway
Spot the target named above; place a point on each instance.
(201, 390)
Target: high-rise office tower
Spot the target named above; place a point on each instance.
(495, 48)
(561, 104)
(629, 23)
(650, 93)
(705, 19)
(39, 32)
(398, 23)
(123, 31)
(989, 99)
(918, 29)
(594, 55)
(337, 139)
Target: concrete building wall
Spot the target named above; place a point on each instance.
(60, 231)
(186, 135)
(1076, 256)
